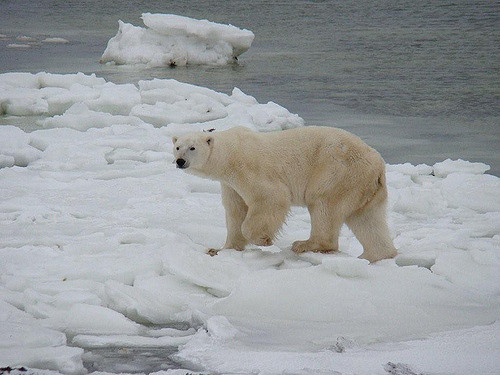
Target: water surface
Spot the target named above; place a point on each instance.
(417, 80)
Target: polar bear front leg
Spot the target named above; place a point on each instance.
(236, 211)
(265, 217)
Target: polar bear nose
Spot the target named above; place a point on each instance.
(180, 163)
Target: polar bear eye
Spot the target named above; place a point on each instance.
(192, 148)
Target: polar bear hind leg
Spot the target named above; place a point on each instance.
(326, 221)
(369, 225)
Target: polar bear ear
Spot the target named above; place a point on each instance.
(210, 140)
(174, 139)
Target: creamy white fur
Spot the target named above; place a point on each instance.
(332, 172)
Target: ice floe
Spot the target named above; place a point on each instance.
(56, 40)
(174, 40)
(103, 240)
(82, 102)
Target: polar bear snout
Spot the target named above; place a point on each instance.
(181, 163)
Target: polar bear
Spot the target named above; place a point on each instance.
(338, 177)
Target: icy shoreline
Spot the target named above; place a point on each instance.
(101, 237)
(171, 40)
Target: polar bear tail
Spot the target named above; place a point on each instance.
(369, 225)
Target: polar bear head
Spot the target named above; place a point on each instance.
(191, 151)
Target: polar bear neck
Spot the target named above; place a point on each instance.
(220, 163)
(225, 158)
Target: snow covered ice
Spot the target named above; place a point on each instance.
(174, 40)
(102, 243)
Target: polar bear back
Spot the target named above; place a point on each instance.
(307, 160)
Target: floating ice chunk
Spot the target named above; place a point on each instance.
(11, 314)
(163, 95)
(409, 169)
(397, 180)
(124, 341)
(17, 45)
(115, 99)
(42, 79)
(80, 117)
(196, 108)
(158, 300)
(82, 102)
(477, 192)
(6, 161)
(172, 332)
(71, 291)
(22, 102)
(169, 24)
(55, 40)
(449, 166)
(241, 97)
(271, 116)
(19, 80)
(29, 336)
(182, 90)
(15, 148)
(67, 360)
(25, 94)
(23, 342)
(176, 40)
(25, 38)
(416, 200)
(61, 99)
(220, 328)
(91, 319)
(67, 80)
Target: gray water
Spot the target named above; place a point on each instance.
(130, 360)
(418, 80)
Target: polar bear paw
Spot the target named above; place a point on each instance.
(313, 246)
(212, 252)
(256, 236)
(263, 241)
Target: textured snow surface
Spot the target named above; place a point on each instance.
(102, 243)
(169, 39)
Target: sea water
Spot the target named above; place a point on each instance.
(419, 81)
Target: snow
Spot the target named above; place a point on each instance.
(15, 148)
(448, 166)
(174, 40)
(24, 342)
(103, 240)
(462, 352)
